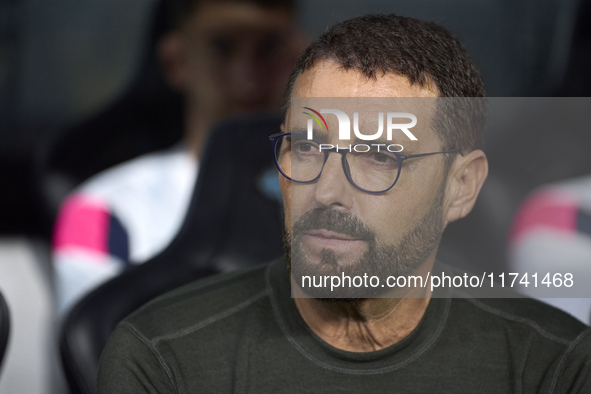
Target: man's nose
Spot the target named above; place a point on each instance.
(333, 189)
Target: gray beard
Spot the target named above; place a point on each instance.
(381, 260)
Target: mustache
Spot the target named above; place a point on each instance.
(332, 220)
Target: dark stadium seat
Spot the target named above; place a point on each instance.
(577, 81)
(527, 145)
(233, 221)
(519, 153)
(4, 328)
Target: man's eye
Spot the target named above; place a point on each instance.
(379, 159)
(382, 158)
(304, 147)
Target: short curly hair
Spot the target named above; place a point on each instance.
(424, 52)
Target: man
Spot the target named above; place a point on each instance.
(243, 332)
(226, 57)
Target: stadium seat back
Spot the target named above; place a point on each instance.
(234, 220)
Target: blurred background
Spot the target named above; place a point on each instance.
(62, 63)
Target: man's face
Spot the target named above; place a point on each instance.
(237, 57)
(335, 227)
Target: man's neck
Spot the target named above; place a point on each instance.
(363, 326)
(369, 324)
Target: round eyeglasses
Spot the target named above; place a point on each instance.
(370, 168)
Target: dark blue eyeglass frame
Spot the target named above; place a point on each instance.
(275, 138)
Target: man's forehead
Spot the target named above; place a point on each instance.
(328, 79)
(326, 89)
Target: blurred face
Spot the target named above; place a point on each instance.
(333, 226)
(236, 57)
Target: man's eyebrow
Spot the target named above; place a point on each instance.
(380, 141)
(321, 136)
(384, 144)
(357, 140)
(298, 130)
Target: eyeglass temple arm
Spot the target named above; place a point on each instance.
(434, 153)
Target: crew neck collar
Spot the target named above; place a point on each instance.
(315, 349)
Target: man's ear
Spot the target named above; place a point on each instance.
(465, 179)
(173, 57)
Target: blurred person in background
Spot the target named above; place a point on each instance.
(226, 58)
(553, 228)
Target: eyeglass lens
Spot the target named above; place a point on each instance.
(371, 168)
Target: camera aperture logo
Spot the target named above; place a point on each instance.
(345, 128)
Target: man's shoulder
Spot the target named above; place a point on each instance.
(529, 317)
(511, 312)
(201, 302)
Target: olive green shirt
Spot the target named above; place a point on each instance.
(242, 333)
